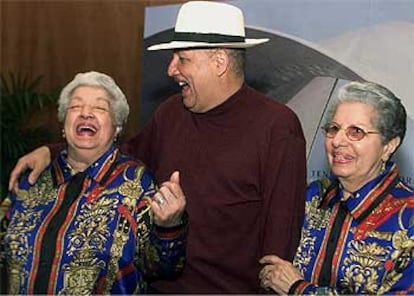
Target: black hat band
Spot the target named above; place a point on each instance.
(207, 37)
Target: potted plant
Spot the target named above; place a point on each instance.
(19, 99)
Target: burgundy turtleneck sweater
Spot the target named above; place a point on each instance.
(242, 168)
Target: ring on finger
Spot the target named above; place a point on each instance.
(161, 200)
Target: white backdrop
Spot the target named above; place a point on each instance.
(316, 46)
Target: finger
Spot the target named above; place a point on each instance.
(265, 269)
(159, 200)
(263, 274)
(175, 177)
(34, 175)
(174, 185)
(172, 191)
(37, 160)
(14, 175)
(269, 259)
(264, 283)
(165, 193)
(13, 185)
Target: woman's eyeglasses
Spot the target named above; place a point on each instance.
(354, 133)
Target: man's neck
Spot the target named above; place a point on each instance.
(226, 90)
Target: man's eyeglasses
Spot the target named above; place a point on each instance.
(354, 133)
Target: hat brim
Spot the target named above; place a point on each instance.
(191, 44)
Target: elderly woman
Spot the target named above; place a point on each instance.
(358, 232)
(93, 222)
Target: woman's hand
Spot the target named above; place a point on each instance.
(278, 274)
(169, 202)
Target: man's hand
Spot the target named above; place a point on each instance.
(37, 161)
(169, 202)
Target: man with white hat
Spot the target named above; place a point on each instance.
(241, 155)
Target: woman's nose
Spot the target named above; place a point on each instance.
(340, 138)
(87, 111)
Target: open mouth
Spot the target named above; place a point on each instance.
(341, 157)
(86, 129)
(184, 86)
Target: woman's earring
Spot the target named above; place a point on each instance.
(63, 133)
(117, 132)
(383, 165)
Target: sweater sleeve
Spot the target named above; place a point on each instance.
(55, 149)
(141, 145)
(284, 189)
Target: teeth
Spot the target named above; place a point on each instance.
(342, 157)
(182, 83)
(86, 128)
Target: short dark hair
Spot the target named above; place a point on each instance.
(238, 60)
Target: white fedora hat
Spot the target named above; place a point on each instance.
(209, 24)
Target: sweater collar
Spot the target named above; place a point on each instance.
(227, 105)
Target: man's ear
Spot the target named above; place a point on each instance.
(222, 61)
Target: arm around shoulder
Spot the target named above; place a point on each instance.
(37, 161)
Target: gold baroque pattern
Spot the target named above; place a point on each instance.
(318, 218)
(305, 251)
(361, 267)
(131, 191)
(85, 243)
(40, 193)
(366, 259)
(19, 251)
(401, 256)
(22, 223)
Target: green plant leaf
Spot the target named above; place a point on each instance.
(19, 98)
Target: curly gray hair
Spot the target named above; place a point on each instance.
(118, 102)
(391, 116)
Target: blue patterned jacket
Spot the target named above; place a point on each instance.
(364, 245)
(105, 242)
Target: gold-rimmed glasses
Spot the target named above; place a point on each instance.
(353, 132)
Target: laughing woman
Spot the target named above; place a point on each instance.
(94, 222)
(358, 232)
